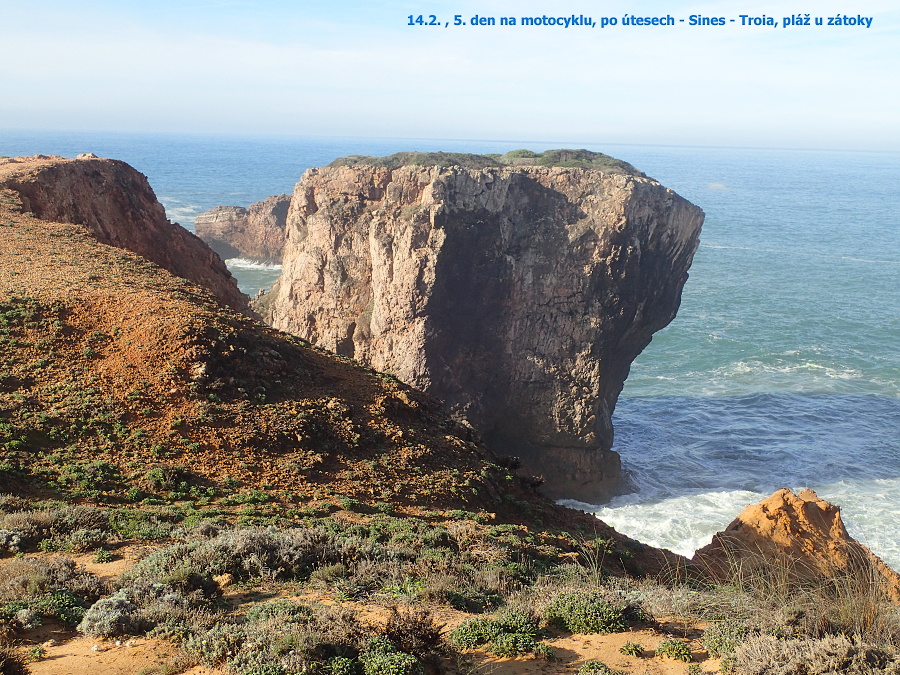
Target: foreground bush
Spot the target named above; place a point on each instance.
(510, 633)
(585, 612)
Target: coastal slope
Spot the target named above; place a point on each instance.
(122, 382)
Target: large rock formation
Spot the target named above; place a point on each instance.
(116, 204)
(256, 233)
(794, 536)
(519, 295)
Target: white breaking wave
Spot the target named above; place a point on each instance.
(685, 523)
(244, 264)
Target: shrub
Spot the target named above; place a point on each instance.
(510, 633)
(383, 658)
(512, 644)
(11, 663)
(10, 541)
(216, 645)
(84, 540)
(474, 633)
(102, 556)
(282, 610)
(674, 649)
(138, 608)
(835, 653)
(414, 632)
(30, 579)
(582, 612)
(28, 618)
(723, 637)
(514, 621)
(340, 665)
(593, 667)
(115, 615)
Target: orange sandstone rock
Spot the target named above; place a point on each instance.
(801, 534)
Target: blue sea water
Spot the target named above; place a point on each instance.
(782, 368)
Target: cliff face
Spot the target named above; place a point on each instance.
(116, 204)
(518, 295)
(256, 233)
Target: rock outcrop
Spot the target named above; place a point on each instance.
(116, 204)
(256, 233)
(519, 295)
(795, 536)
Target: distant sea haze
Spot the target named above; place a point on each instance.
(782, 368)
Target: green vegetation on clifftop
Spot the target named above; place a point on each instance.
(581, 159)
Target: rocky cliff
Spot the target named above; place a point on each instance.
(795, 536)
(256, 233)
(116, 204)
(519, 295)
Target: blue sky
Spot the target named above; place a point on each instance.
(357, 69)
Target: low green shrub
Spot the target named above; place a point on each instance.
(510, 633)
(585, 612)
(381, 657)
(474, 633)
(512, 644)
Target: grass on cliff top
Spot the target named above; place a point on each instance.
(582, 159)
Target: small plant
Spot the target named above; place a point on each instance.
(674, 649)
(110, 616)
(631, 649)
(36, 653)
(593, 667)
(102, 556)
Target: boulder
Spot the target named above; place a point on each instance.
(797, 537)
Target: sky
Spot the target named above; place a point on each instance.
(356, 68)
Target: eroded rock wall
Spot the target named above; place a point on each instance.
(116, 204)
(256, 233)
(518, 295)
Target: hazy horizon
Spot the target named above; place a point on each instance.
(350, 69)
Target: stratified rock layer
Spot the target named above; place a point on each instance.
(797, 536)
(518, 295)
(256, 233)
(116, 204)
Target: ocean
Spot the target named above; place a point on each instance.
(782, 368)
